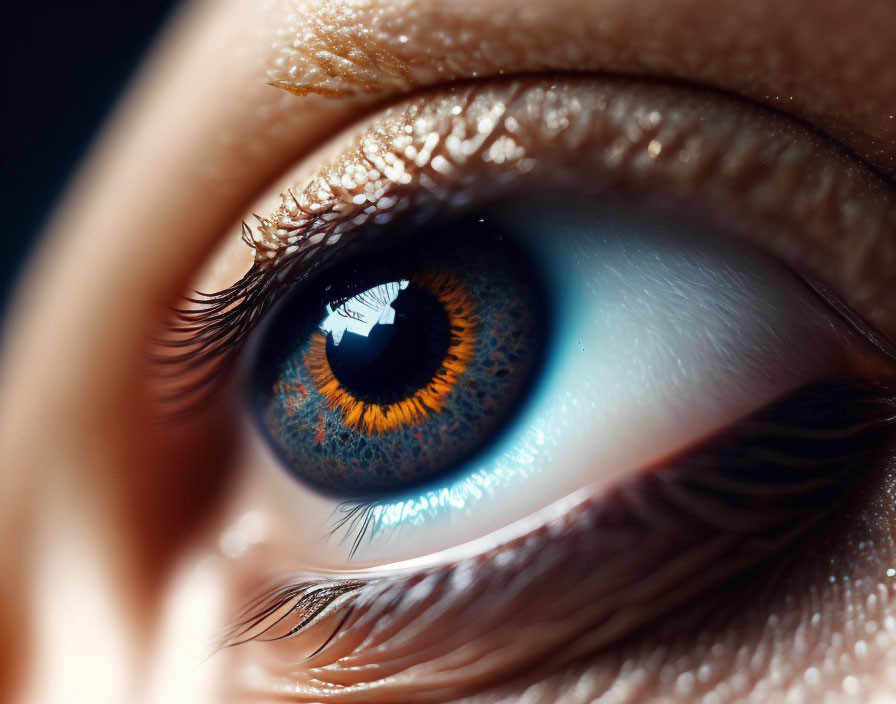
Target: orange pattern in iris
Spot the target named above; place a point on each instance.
(377, 418)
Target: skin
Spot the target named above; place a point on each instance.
(101, 527)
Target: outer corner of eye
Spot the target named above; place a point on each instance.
(514, 357)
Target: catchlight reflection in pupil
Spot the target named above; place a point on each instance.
(400, 354)
(398, 368)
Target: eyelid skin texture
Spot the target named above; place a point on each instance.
(680, 153)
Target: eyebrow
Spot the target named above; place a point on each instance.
(343, 64)
(389, 47)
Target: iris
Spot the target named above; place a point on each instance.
(394, 369)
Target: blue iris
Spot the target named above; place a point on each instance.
(392, 370)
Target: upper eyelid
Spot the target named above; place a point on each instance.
(306, 222)
(243, 133)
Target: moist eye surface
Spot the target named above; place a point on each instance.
(665, 325)
(394, 368)
(464, 377)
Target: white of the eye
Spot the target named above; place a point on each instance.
(362, 312)
(663, 336)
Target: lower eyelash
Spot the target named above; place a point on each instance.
(760, 484)
(312, 599)
(357, 521)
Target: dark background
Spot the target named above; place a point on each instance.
(64, 63)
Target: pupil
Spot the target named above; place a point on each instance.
(394, 360)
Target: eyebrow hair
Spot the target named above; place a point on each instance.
(384, 48)
(345, 62)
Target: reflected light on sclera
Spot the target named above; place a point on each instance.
(660, 336)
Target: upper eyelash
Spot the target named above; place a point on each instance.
(212, 330)
(289, 247)
(307, 231)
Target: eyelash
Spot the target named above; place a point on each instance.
(768, 484)
(310, 230)
(214, 327)
(356, 521)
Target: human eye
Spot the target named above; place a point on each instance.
(670, 479)
(630, 364)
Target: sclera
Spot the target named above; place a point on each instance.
(663, 336)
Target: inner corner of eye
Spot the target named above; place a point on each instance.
(555, 344)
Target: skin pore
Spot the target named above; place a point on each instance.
(104, 531)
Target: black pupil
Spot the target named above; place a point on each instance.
(394, 360)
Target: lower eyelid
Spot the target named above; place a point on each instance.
(665, 537)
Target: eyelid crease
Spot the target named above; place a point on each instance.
(714, 512)
(679, 151)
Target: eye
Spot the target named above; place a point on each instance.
(520, 354)
(396, 367)
(662, 247)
